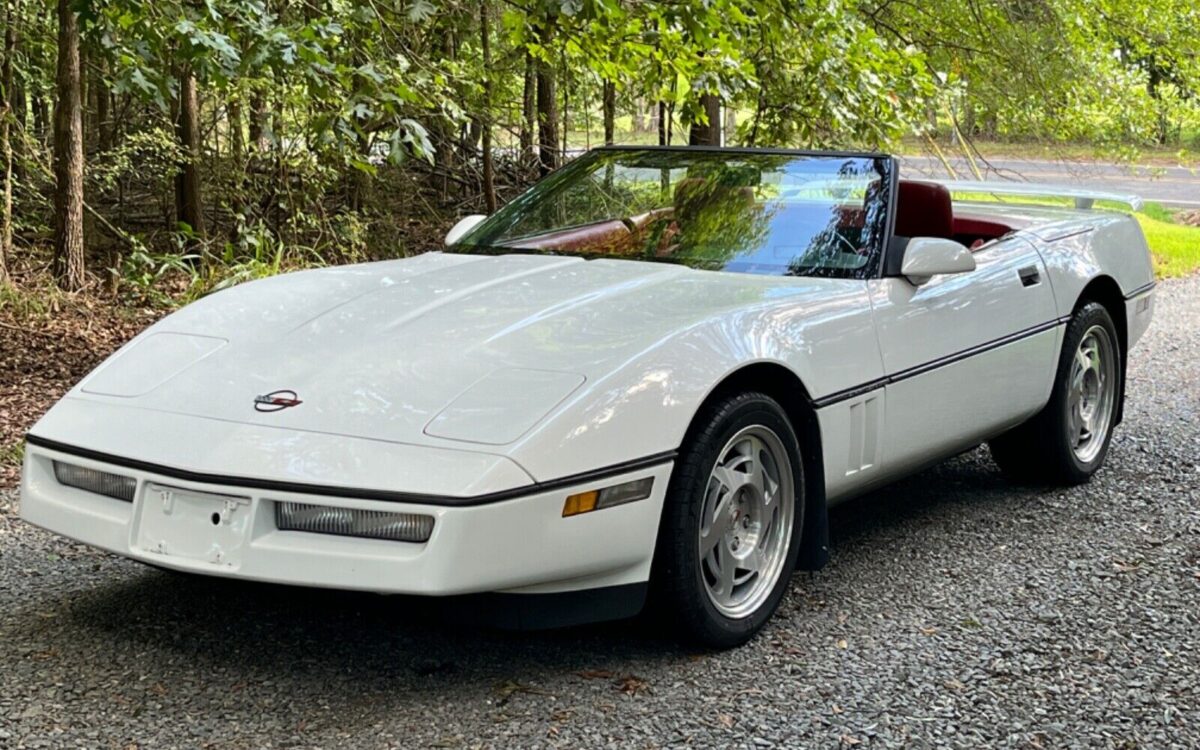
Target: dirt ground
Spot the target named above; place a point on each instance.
(45, 352)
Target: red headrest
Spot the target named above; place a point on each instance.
(924, 209)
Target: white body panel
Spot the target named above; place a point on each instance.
(505, 546)
(961, 403)
(459, 377)
(621, 352)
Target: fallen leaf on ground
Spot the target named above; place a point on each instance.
(509, 688)
(632, 685)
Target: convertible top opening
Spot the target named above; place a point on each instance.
(764, 212)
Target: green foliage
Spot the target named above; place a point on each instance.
(153, 151)
(144, 271)
(349, 130)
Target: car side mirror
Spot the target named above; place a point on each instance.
(926, 257)
(464, 225)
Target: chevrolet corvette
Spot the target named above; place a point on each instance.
(643, 382)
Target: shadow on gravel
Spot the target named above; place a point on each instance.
(281, 633)
(938, 494)
(272, 628)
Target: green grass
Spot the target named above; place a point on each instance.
(1176, 248)
(12, 455)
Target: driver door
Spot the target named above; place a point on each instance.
(966, 355)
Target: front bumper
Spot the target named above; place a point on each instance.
(517, 545)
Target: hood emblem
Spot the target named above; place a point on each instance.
(276, 401)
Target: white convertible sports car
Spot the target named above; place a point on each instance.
(644, 380)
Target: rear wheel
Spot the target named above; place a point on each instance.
(1069, 439)
(731, 524)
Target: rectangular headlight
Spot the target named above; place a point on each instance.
(94, 480)
(371, 524)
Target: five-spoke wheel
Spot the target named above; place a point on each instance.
(745, 526)
(731, 523)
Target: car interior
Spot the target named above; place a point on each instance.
(924, 209)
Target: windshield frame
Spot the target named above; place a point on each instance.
(886, 164)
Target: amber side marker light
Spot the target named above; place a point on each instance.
(607, 497)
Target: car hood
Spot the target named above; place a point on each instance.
(439, 349)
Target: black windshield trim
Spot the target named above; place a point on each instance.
(743, 150)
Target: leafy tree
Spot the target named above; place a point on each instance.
(258, 134)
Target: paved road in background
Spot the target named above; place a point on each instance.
(1172, 186)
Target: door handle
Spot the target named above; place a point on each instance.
(1029, 275)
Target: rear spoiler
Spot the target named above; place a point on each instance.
(1084, 198)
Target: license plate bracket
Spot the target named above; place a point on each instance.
(196, 526)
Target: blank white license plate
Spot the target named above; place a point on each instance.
(192, 525)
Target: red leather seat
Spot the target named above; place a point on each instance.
(924, 209)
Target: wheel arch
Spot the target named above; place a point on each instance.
(1105, 291)
(782, 384)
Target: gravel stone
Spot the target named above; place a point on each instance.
(958, 611)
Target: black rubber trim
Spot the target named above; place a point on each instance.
(1141, 290)
(508, 611)
(304, 488)
(849, 393)
(921, 369)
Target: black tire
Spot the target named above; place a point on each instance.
(679, 592)
(1041, 449)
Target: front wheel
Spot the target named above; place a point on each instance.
(1067, 442)
(731, 523)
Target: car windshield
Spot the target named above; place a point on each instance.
(762, 213)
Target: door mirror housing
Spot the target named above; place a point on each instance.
(464, 225)
(926, 257)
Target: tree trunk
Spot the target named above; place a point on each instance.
(237, 158)
(84, 102)
(489, 176)
(189, 207)
(471, 133)
(752, 139)
(528, 110)
(662, 123)
(237, 142)
(547, 106)
(441, 129)
(258, 119)
(42, 119)
(68, 156)
(6, 155)
(707, 133)
(20, 122)
(610, 111)
(103, 98)
(564, 76)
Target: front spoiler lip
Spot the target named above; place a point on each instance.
(352, 492)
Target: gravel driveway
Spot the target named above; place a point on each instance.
(958, 611)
